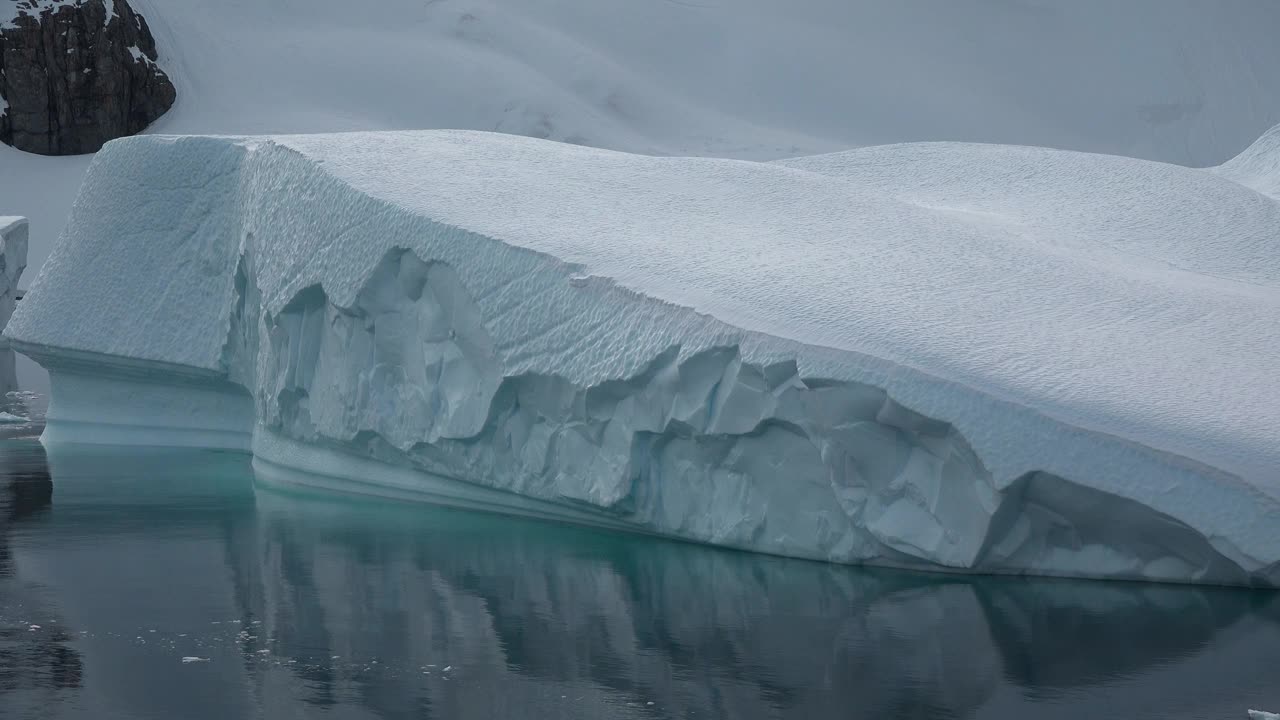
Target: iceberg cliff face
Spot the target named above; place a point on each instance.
(13, 260)
(986, 358)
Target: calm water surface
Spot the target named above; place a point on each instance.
(116, 565)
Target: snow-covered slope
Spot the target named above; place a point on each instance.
(1178, 81)
(1182, 81)
(961, 356)
(1258, 167)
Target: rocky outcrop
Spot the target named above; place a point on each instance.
(75, 74)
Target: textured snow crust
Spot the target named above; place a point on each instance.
(945, 355)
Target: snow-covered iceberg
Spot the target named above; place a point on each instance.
(953, 356)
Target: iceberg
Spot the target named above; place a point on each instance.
(13, 260)
(959, 357)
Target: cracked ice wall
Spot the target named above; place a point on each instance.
(703, 446)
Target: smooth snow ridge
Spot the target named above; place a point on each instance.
(954, 356)
(1258, 167)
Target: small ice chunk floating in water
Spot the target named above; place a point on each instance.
(944, 356)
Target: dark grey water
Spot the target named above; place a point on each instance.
(116, 565)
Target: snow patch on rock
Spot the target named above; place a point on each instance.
(32, 9)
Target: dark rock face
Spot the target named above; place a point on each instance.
(75, 74)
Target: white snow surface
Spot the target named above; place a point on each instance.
(1182, 81)
(912, 354)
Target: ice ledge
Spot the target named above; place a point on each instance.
(1044, 526)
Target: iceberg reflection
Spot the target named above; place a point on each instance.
(314, 601)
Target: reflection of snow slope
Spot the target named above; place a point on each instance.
(968, 356)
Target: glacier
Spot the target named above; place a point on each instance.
(949, 356)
